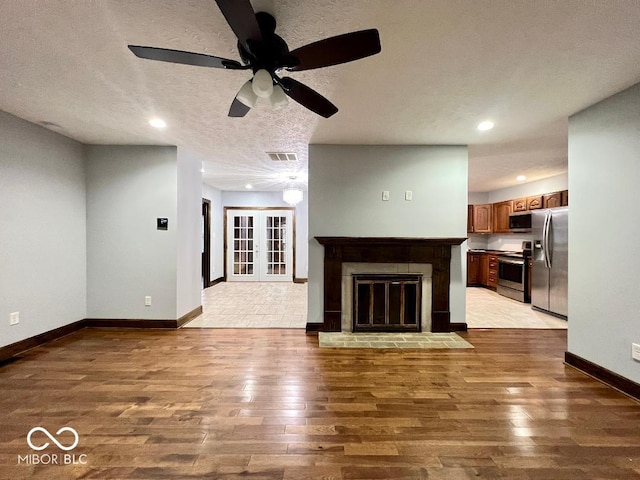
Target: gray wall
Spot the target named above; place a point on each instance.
(128, 187)
(604, 268)
(345, 193)
(42, 230)
(189, 257)
(274, 199)
(217, 231)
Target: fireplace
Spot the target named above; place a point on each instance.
(430, 256)
(386, 302)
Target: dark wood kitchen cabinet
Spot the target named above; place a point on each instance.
(479, 218)
(492, 270)
(501, 212)
(520, 205)
(564, 198)
(482, 269)
(474, 265)
(552, 200)
(534, 203)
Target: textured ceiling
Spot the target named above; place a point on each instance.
(445, 65)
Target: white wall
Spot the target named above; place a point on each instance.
(274, 199)
(189, 217)
(217, 231)
(42, 230)
(128, 187)
(604, 269)
(546, 185)
(345, 199)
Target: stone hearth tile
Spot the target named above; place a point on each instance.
(391, 340)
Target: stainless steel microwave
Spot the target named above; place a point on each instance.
(520, 222)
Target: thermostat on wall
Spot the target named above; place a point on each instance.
(163, 224)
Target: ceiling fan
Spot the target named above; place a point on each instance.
(266, 54)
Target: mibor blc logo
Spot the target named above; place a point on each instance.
(62, 440)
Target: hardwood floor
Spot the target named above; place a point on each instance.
(270, 404)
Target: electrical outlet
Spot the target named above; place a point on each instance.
(635, 351)
(385, 196)
(147, 301)
(408, 195)
(14, 318)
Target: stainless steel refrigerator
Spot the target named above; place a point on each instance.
(550, 260)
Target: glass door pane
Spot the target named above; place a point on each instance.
(276, 245)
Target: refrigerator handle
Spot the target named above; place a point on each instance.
(545, 239)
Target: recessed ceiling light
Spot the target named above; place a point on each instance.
(157, 123)
(248, 186)
(486, 125)
(202, 170)
(521, 178)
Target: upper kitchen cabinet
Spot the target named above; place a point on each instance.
(534, 203)
(520, 205)
(501, 212)
(479, 218)
(552, 200)
(564, 195)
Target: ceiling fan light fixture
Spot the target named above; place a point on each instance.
(246, 96)
(278, 98)
(262, 84)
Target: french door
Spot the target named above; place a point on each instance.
(260, 245)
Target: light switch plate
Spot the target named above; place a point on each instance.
(14, 318)
(147, 301)
(385, 196)
(635, 351)
(408, 195)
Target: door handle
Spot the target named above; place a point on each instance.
(545, 239)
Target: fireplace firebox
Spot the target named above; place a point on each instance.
(387, 303)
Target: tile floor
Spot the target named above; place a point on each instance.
(284, 305)
(253, 305)
(488, 309)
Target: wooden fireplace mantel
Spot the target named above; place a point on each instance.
(436, 251)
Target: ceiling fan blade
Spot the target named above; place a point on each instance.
(186, 58)
(336, 50)
(238, 109)
(242, 20)
(307, 97)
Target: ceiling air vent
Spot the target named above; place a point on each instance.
(283, 157)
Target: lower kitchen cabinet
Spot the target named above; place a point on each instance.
(474, 268)
(482, 269)
(492, 273)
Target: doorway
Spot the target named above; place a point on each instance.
(206, 243)
(259, 244)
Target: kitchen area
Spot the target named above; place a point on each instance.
(517, 262)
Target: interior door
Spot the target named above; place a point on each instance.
(259, 245)
(206, 243)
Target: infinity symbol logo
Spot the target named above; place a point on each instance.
(60, 446)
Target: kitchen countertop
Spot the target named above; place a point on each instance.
(498, 252)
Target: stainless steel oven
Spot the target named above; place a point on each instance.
(512, 275)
